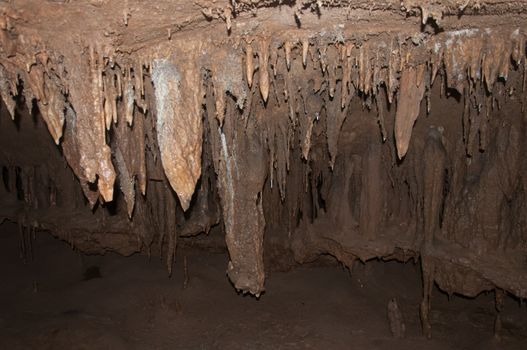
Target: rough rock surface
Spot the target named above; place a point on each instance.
(361, 129)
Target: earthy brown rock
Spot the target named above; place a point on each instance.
(274, 120)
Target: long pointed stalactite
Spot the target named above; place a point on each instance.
(402, 142)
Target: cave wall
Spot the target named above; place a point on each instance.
(361, 130)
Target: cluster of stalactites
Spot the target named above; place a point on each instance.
(382, 71)
(97, 93)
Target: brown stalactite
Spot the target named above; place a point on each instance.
(249, 63)
(433, 190)
(241, 175)
(227, 77)
(263, 68)
(88, 129)
(412, 89)
(178, 96)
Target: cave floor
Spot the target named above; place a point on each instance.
(66, 300)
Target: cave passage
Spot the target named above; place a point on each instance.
(283, 136)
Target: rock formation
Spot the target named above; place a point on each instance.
(361, 129)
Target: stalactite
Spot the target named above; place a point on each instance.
(305, 51)
(263, 66)
(178, 92)
(139, 138)
(274, 57)
(249, 63)
(241, 168)
(52, 109)
(433, 175)
(227, 77)
(278, 134)
(170, 228)
(331, 70)
(6, 92)
(287, 49)
(411, 93)
(336, 116)
(346, 72)
(128, 99)
(474, 121)
(380, 102)
(86, 148)
(126, 182)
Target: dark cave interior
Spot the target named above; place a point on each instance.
(256, 174)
